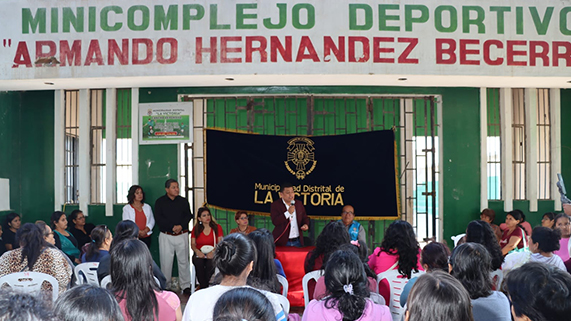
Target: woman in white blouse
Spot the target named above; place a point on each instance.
(139, 212)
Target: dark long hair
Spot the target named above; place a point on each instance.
(55, 218)
(31, 239)
(435, 256)
(519, 217)
(471, 265)
(333, 235)
(125, 230)
(482, 233)
(8, 219)
(87, 303)
(198, 227)
(361, 252)
(131, 194)
(243, 304)
(539, 291)
(264, 274)
(547, 239)
(344, 269)
(233, 254)
(98, 236)
(400, 240)
(438, 296)
(133, 280)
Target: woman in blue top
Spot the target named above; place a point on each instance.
(64, 240)
(101, 239)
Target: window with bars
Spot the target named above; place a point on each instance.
(124, 145)
(98, 155)
(518, 128)
(543, 144)
(71, 147)
(494, 146)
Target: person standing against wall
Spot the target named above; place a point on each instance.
(172, 214)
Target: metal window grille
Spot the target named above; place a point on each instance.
(493, 143)
(543, 144)
(71, 147)
(519, 138)
(124, 142)
(413, 118)
(97, 130)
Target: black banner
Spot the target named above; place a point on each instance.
(244, 172)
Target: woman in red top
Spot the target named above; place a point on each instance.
(203, 239)
(513, 235)
(139, 212)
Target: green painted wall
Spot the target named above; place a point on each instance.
(566, 138)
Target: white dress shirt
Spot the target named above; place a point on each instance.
(294, 229)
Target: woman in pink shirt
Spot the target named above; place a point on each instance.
(348, 291)
(562, 223)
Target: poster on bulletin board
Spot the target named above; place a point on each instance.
(165, 123)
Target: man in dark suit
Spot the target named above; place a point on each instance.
(289, 218)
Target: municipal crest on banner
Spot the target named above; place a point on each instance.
(300, 156)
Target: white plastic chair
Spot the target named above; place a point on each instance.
(313, 275)
(30, 282)
(457, 238)
(86, 273)
(284, 302)
(497, 278)
(396, 284)
(284, 283)
(105, 282)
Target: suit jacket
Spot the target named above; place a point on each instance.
(280, 222)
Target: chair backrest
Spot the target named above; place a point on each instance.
(285, 285)
(313, 275)
(284, 302)
(457, 238)
(497, 278)
(87, 273)
(105, 282)
(396, 283)
(30, 282)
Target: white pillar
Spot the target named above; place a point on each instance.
(110, 149)
(531, 189)
(59, 149)
(483, 148)
(555, 111)
(506, 111)
(135, 134)
(84, 150)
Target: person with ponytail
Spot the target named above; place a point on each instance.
(348, 293)
(235, 257)
(101, 239)
(135, 288)
(35, 255)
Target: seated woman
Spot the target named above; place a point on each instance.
(99, 247)
(563, 224)
(203, 239)
(264, 274)
(65, 241)
(12, 223)
(87, 303)
(489, 215)
(548, 220)
(77, 227)
(434, 257)
(349, 293)
(480, 232)
(539, 292)
(438, 296)
(34, 255)
(471, 265)
(123, 231)
(514, 236)
(241, 218)
(399, 251)
(333, 235)
(243, 304)
(234, 257)
(139, 212)
(543, 242)
(135, 287)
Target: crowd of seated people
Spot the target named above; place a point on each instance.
(457, 285)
